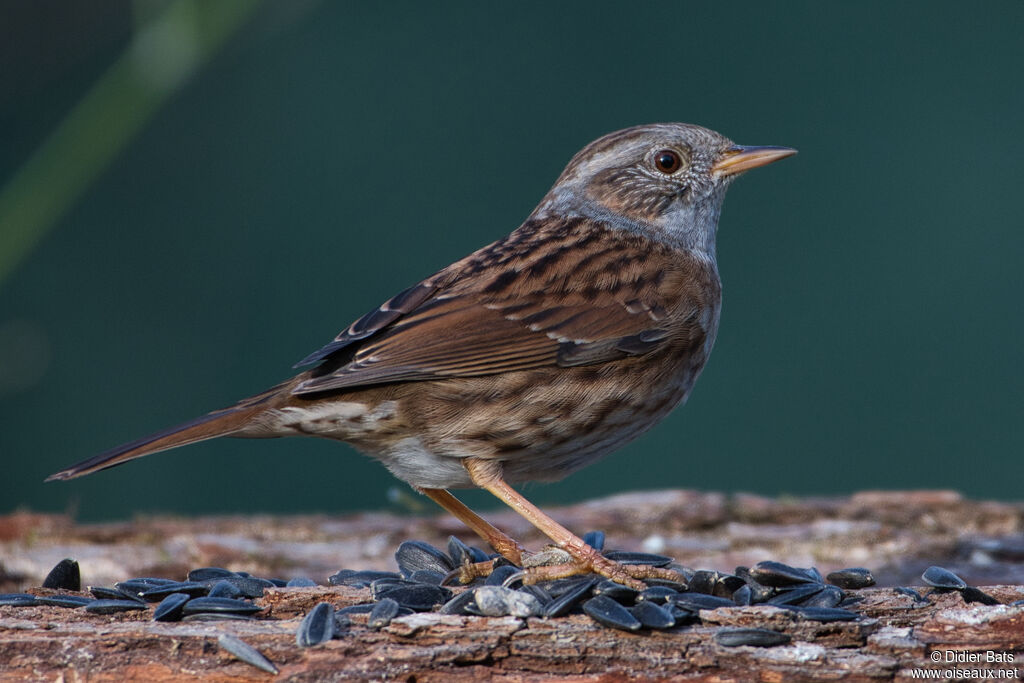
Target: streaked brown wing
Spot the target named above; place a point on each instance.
(607, 301)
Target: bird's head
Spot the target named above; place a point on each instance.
(665, 180)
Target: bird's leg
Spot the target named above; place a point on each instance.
(505, 545)
(487, 474)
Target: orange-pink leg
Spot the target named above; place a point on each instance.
(487, 474)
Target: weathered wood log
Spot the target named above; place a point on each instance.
(896, 535)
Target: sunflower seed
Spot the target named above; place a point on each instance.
(829, 596)
(382, 613)
(942, 578)
(743, 595)
(71, 601)
(300, 582)
(616, 591)
(695, 602)
(568, 599)
(652, 615)
(359, 579)
(415, 555)
(972, 594)
(776, 574)
(500, 574)
(795, 595)
(66, 575)
(459, 553)
(220, 605)
(245, 652)
(852, 578)
(17, 600)
(209, 573)
(459, 604)
(223, 589)
(190, 588)
(427, 576)
(170, 608)
(316, 627)
(607, 612)
(659, 595)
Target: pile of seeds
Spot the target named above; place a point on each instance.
(420, 585)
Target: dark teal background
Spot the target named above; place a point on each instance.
(331, 154)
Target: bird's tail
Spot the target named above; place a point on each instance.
(226, 422)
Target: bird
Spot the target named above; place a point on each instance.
(531, 357)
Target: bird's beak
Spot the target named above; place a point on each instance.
(739, 158)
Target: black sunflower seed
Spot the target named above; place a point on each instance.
(105, 593)
(427, 576)
(223, 589)
(910, 592)
(220, 606)
(568, 599)
(607, 612)
(248, 586)
(652, 615)
(695, 602)
(209, 573)
(415, 555)
(972, 594)
(657, 594)
(216, 616)
(17, 600)
(539, 592)
(501, 574)
(852, 578)
(703, 581)
(66, 575)
(795, 595)
(727, 584)
(942, 578)
(245, 652)
(300, 582)
(743, 595)
(829, 596)
(459, 604)
(459, 553)
(71, 601)
(114, 606)
(757, 637)
(316, 627)
(171, 607)
(190, 588)
(382, 613)
(616, 591)
(776, 574)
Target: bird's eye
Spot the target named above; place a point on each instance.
(667, 161)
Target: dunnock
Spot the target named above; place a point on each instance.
(532, 357)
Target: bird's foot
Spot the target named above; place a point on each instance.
(559, 563)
